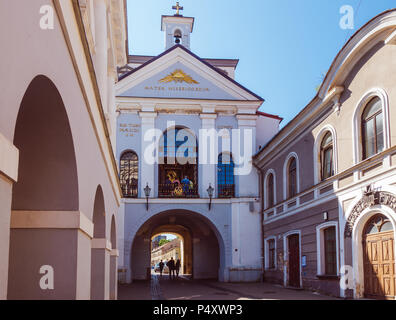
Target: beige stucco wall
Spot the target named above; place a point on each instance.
(29, 52)
(368, 73)
(377, 69)
(303, 148)
(32, 52)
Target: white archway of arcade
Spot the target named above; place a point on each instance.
(206, 244)
(100, 252)
(46, 193)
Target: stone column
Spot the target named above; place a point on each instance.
(100, 58)
(208, 170)
(50, 255)
(120, 233)
(100, 270)
(9, 159)
(147, 170)
(113, 274)
(5, 213)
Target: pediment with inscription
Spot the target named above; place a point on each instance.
(180, 74)
(177, 81)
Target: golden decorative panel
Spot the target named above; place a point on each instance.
(179, 76)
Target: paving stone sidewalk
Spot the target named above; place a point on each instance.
(184, 289)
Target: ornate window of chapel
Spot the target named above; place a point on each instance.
(178, 164)
(129, 173)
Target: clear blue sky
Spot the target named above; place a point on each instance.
(285, 47)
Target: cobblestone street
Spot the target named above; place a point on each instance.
(184, 289)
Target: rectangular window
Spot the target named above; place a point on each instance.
(330, 246)
(271, 254)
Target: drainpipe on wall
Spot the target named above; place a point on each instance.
(261, 195)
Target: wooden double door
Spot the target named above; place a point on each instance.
(379, 262)
(294, 260)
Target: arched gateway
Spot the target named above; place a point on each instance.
(370, 233)
(202, 244)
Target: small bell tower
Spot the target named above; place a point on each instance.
(177, 28)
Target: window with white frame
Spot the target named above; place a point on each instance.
(269, 189)
(372, 128)
(371, 125)
(292, 178)
(327, 156)
(327, 249)
(270, 261)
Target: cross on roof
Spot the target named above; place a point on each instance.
(177, 7)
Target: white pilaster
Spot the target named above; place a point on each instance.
(147, 171)
(208, 171)
(112, 114)
(100, 59)
(247, 183)
(235, 235)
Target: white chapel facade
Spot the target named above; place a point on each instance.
(212, 200)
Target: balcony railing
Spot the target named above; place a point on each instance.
(172, 190)
(226, 191)
(129, 190)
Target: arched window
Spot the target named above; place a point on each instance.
(326, 156)
(372, 128)
(225, 176)
(270, 191)
(292, 177)
(378, 224)
(129, 173)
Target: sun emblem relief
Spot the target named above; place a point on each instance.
(179, 76)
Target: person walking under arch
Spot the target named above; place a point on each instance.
(177, 268)
(161, 267)
(171, 266)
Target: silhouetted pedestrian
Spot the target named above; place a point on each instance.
(177, 267)
(171, 266)
(161, 267)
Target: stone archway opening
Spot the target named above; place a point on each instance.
(201, 244)
(45, 196)
(99, 250)
(180, 247)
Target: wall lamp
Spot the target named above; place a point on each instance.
(210, 193)
(147, 191)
